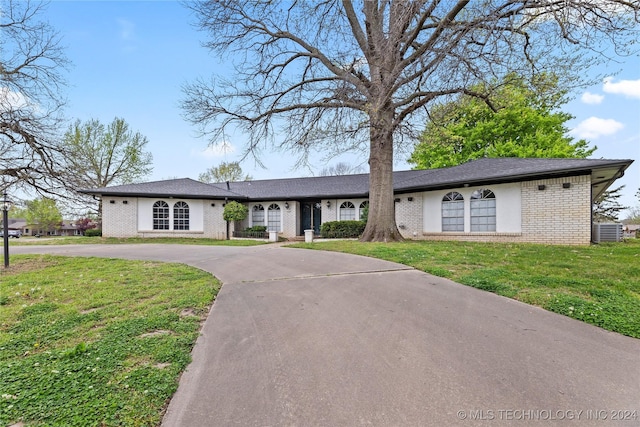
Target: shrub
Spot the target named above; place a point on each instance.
(364, 214)
(234, 211)
(257, 229)
(93, 232)
(342, 229)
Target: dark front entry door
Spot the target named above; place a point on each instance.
(310, 213)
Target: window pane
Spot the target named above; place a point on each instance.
(453, 212)
(347, 211)
(274, 218)
(257, 215)
(181, 216)
(160, 216)
(483, 211)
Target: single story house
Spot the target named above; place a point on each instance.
(66, 228)
(499, 200)
(631, 230)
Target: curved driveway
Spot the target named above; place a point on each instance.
(312, 338)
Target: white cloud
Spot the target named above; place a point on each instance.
(10, 100)
(127, 34)
(214, 150)
(127, 29)
(595, 127)
(628, 88)
(591, 98)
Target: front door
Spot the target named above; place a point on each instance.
(310, 214)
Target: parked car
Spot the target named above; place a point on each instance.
(12, 233)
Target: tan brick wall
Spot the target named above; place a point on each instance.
(474, 237)
(557, 215)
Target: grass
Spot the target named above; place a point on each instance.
(597, 284)
(78, 240)
(88, 341)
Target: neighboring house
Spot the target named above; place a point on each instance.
(499, 200)
(25, 228)
(16, 224)
(67, 228)
(631, 230)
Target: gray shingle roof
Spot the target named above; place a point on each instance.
(477, 172)
(183, 187)
(487, 171)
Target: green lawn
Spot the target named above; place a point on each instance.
(598, 284)
(96, 342)
(88, 341)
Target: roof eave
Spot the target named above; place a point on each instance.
(566, 172)
(167, 195)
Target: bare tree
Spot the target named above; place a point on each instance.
(231, 171)
(98, 156)
(607, 207)
(339, 74)
(340, 168)
(31, 66)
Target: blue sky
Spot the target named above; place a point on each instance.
(130, 59)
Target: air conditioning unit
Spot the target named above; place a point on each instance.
(606, 232)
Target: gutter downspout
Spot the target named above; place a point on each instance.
(226, 200)
(591, 216)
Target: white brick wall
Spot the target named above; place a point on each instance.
(119, 219)
(290, 219)
(329, 213)
(409, 215)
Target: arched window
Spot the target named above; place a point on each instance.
(273, 218)
(347, 211)
(483, 210)
(364, 206)
(160, 215)
(181, 216)
(453, 212)
(257, 215)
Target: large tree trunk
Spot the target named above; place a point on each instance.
(381, 222)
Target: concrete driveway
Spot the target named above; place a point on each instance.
(311, 338)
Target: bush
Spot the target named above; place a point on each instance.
(256, 229)
(364, 214)
(342, 229)
(93, 232)
(234, 211)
